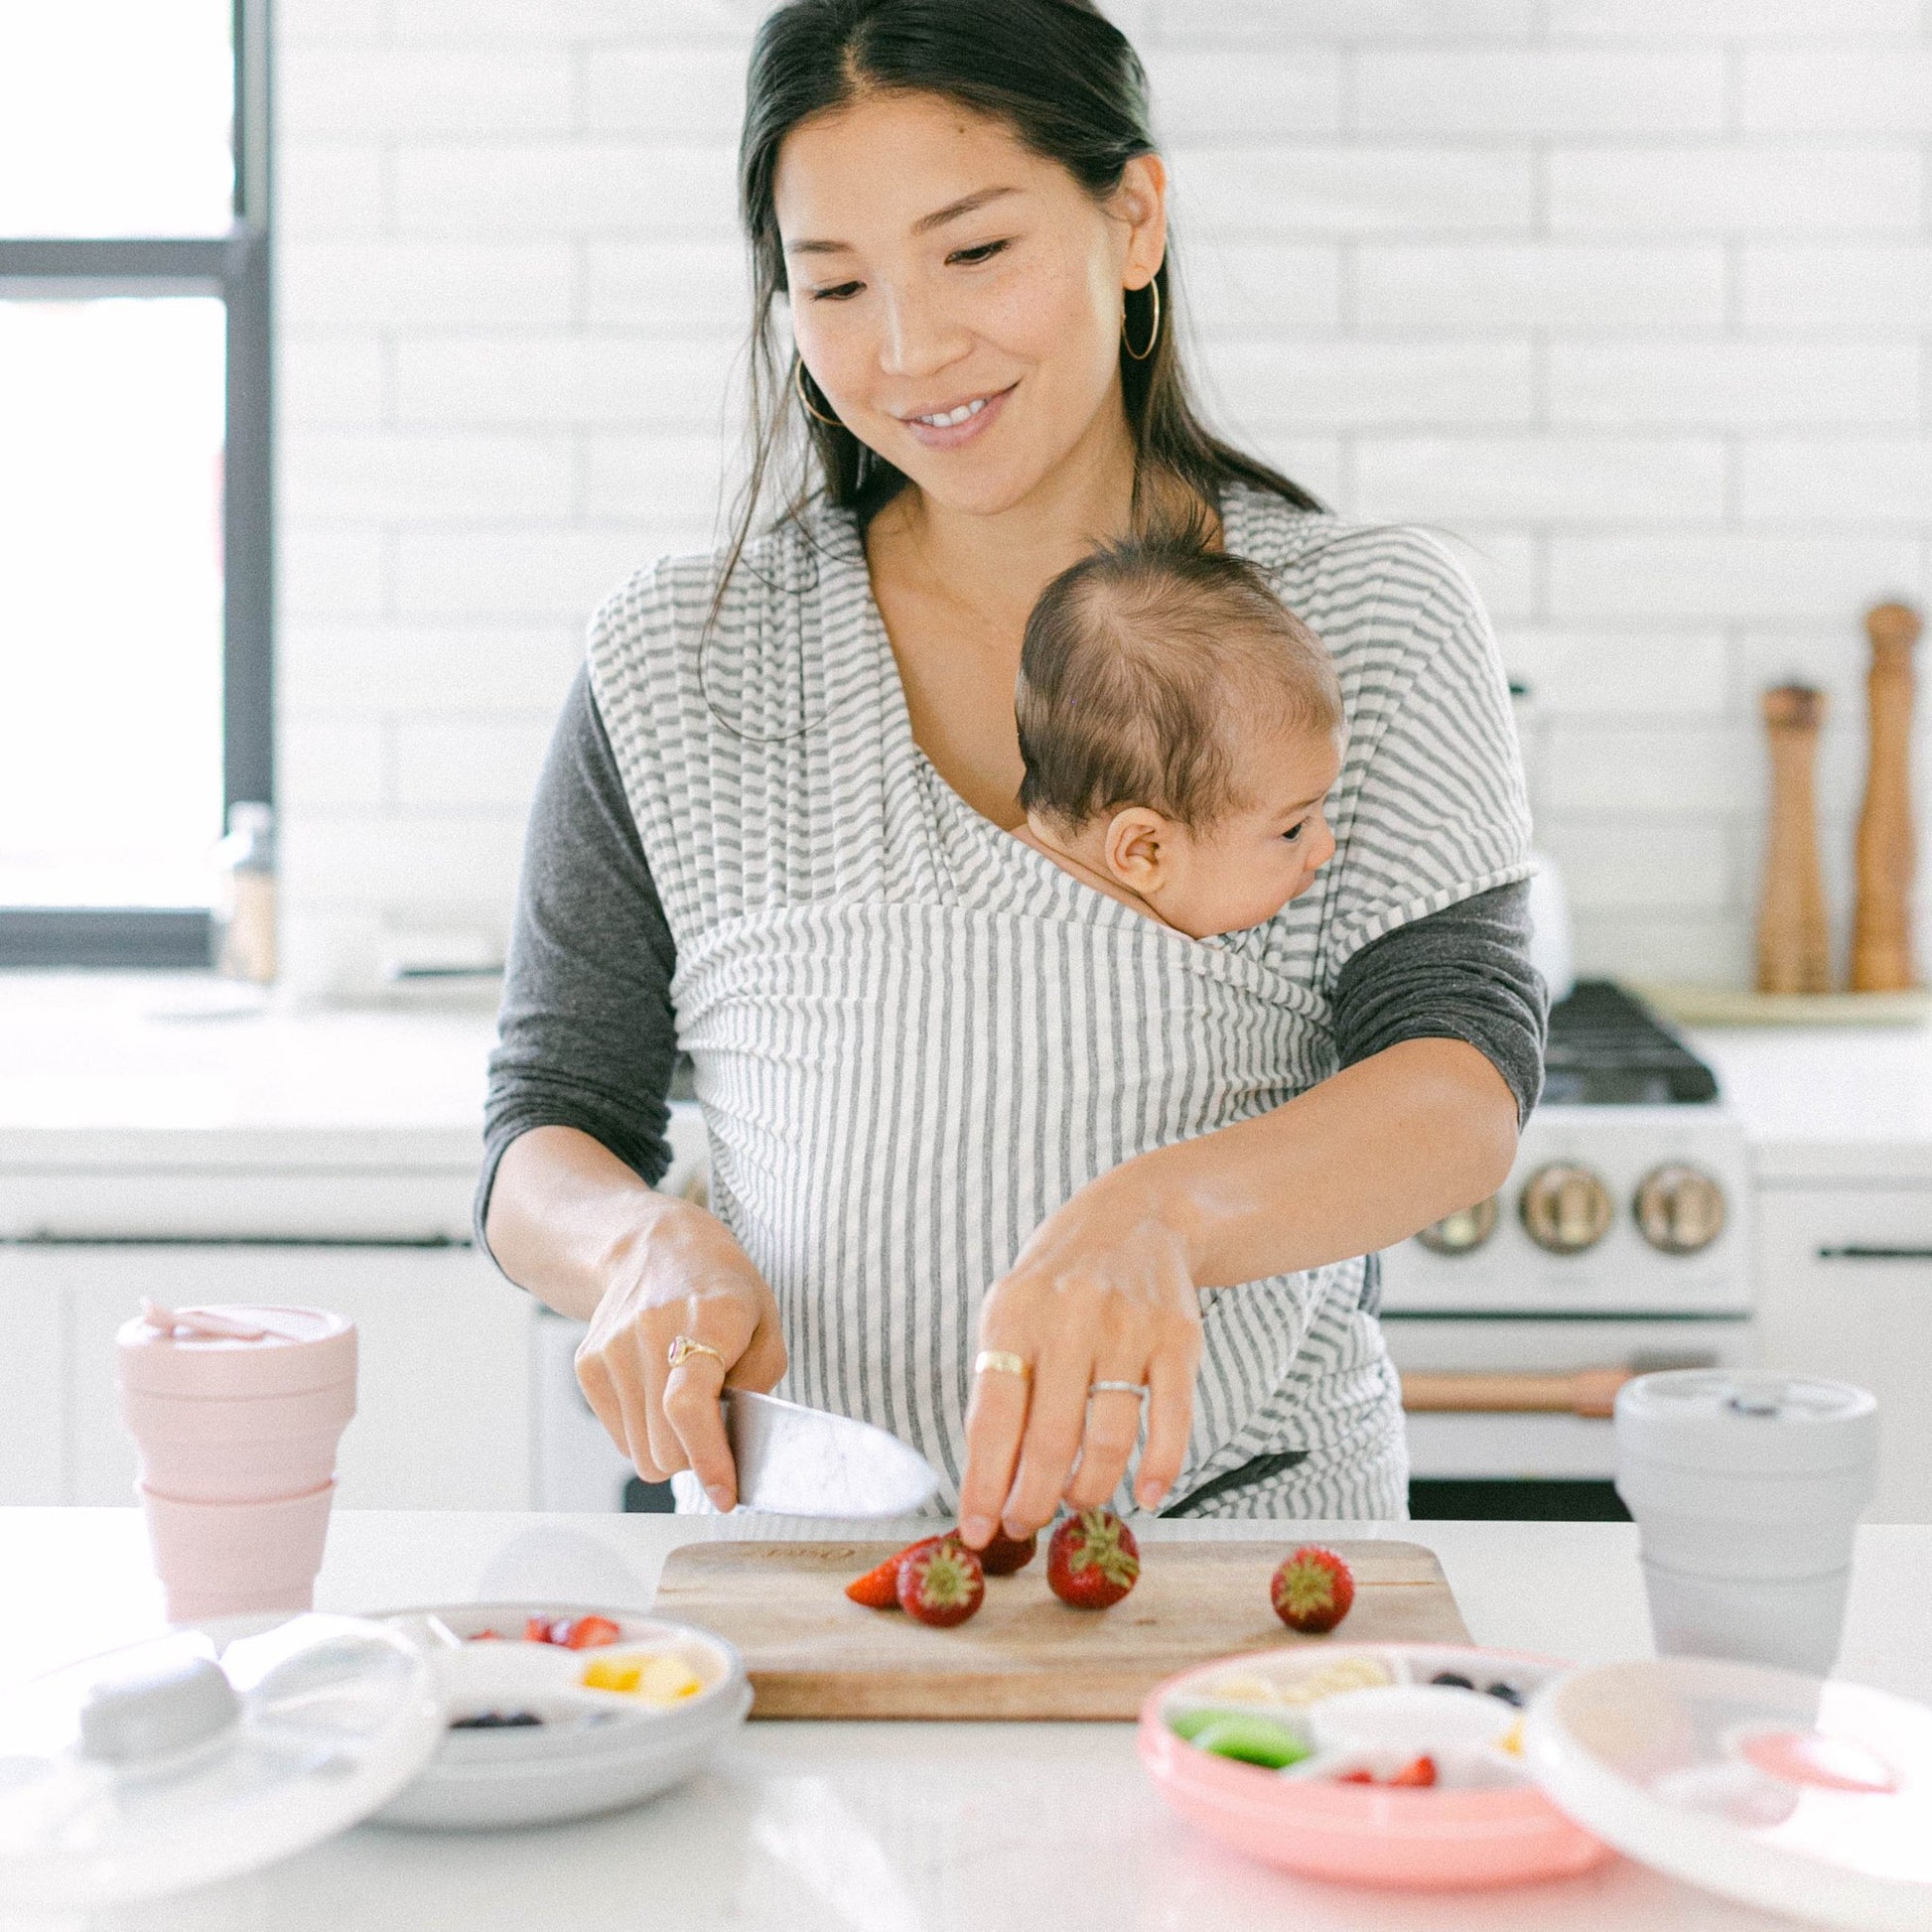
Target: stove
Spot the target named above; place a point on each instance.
(1609, 1049)
(1630, 1194)
(1620, 1242)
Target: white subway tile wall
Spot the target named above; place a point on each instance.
(1632, 298)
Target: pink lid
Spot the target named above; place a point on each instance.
(232, 1349)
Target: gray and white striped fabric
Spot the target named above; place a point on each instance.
(916, 1037)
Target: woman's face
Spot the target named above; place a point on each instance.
(957, 298)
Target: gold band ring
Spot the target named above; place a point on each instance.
(1135, 1389)
(683, 1348)
(1004, 1362)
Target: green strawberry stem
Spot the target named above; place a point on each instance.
(1099, 1548)
(1307, 1587)
(946, 1581)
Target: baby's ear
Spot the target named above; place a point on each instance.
(1138, 848)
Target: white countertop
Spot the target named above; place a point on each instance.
(118, 1071)
(880, 1827)
(1834, 1105)
(105, 1071)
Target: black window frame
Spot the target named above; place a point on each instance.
(237, 267)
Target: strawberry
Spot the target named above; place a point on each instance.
(1420, 1772)
(1006, 1553)
(1092, 1560)
(588, 1633)
(940, 1581)
(1313, 1591)
(877, 1588)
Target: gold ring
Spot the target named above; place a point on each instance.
(683, 1347)
(1004, 1362)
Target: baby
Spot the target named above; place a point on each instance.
(1181, 728)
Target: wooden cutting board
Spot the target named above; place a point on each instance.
(814, 1653)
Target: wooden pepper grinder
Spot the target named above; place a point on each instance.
(1793, 941)
(1881, 927)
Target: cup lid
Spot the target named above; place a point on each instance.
(1746, 1421)
(235, 1349)
(196, 1756)
(1804, 1797)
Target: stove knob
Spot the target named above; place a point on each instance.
(1566, 1208)
(1680, 1210)
(1459, 1233)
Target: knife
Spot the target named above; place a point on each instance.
(798, 1461)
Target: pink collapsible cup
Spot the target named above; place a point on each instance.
(235, 1413)
(238, 1558)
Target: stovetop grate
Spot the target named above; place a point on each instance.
(1609, 1049)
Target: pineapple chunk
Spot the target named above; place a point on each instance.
(655, 1679)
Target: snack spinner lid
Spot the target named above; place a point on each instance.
(1804, 1797)
(187, 1758)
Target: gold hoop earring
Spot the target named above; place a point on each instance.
(1154, 333)
(798, 383)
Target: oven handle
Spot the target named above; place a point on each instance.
(1585, 1392)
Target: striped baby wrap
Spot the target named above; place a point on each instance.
(914, 1037)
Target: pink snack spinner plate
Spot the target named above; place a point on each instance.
(1371, 1764)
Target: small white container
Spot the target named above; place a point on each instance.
(480, 1780)
(1746, 1490)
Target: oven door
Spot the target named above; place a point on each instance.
(1506, 1400)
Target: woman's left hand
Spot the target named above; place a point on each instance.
(1103, 1291)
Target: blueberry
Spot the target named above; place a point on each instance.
(495, 1720)
(1456, 1677)
(1508, 1693)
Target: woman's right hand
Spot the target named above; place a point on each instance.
(678, 1272)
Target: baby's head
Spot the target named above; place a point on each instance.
(1181, 728)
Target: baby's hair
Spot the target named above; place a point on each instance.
(1141, 667)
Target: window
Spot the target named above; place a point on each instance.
(135, 532)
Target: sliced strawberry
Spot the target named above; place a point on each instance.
(1007, 1554)
(940, 1581)
(1092, 1560)
(1419, 1772)
(485, 1637)
(1313, 1590)
(1356, 1777)
(536, 1629)
(877, 1588)
(589, 1632)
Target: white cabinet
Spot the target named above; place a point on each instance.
(32, 1374)
(1846, 1291)
(444, 1378)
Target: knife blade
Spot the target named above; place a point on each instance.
(798, 1461)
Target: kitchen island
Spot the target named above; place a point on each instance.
(882, 1827)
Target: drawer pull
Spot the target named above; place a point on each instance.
(1859, 1251)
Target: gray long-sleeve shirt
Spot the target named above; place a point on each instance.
(588, 1036)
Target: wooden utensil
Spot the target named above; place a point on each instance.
(1793, 941)
(1881, 925)
(814, 1653)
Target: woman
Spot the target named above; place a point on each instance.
(774, 828)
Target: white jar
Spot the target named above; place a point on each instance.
(1746, 1490)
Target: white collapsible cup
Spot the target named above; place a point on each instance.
(1747, 1489)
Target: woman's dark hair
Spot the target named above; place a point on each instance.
(1067, 83)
